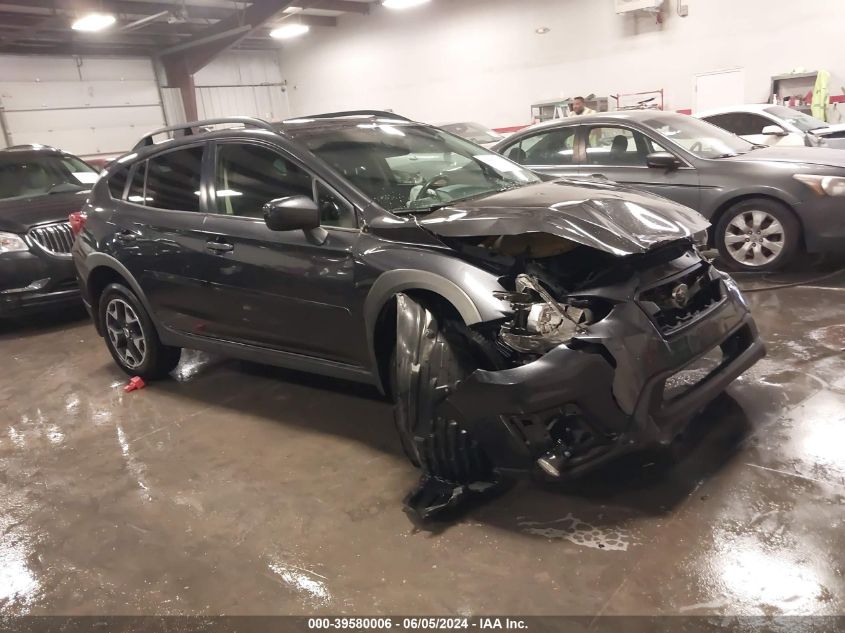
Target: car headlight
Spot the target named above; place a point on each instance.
(12, 243)
(540, 322)
(823, 185)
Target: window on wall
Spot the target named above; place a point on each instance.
(249, 176)
(619, 146)
(552, 147)
(173, 180)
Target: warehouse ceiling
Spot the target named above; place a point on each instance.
(159, 26)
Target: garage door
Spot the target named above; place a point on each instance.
(85, 105)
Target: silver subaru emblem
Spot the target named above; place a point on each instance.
(680, 295)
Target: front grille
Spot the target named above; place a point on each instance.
(54, 238)
(670, 314)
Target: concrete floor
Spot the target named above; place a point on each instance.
(240, 489)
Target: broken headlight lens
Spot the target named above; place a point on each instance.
(540, 322)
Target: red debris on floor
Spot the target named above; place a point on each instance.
(136, 382)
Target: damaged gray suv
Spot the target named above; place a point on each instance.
(521, 326)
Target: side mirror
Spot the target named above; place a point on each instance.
(773, 130)
(662, 160)
(291, 214)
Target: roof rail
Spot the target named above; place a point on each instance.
(188, 129)
(335, 115)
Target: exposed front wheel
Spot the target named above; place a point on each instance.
(758, 234)
(131, 336)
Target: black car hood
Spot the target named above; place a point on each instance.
(805, 155)
(604, 216)
(18, 215)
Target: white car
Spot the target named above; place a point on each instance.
(474, 132)
(768, 124)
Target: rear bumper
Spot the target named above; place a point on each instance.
(602, 396)
(31, 282)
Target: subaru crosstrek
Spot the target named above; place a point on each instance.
(520, 325)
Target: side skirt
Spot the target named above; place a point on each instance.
(265, 356)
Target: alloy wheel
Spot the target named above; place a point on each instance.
(754, 238)
(125, 333)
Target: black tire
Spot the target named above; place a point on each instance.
(741, 241)
(148, 359)
(431, 356)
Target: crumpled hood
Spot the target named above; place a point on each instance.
(805, 155)
(607, 217)
(18, 215)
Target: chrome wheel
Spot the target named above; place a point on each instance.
(754, 238)
(125, 333)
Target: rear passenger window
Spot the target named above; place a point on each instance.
(249, 176)
(136, 186)
(553, 147)
(117, 182)
(173, 180)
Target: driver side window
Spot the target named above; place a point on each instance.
(248, 176)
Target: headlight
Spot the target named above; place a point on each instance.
(11, 243)
(540, 323)
(823, 185)
(700, 238)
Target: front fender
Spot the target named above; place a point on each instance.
(468, 288)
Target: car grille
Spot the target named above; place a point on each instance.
(54, 238)
(668, 313)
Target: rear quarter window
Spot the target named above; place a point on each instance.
(117, 182)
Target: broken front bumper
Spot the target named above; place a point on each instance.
(604, 394)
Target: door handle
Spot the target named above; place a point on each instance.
(126, 236)
(219, 247)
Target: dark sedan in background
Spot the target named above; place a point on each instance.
(765, 203)
(39, 188)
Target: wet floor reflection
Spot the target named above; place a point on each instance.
(236, 488)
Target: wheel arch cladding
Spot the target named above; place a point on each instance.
(379, 308)
(105, 270)
(428, 365)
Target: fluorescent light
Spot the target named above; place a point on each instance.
(94, 22)
(289, 31)
(402, 4)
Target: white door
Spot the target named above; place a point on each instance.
(719, 89)
(88, 106)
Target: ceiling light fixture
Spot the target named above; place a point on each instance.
(402, 4)
(288, 31)
(542, 30)
(94, 22)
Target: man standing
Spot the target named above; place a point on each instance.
(579, 108)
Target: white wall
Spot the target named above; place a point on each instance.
(243, 83)
(85, 105)
(481, 59)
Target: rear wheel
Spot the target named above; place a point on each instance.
(758, 234)
(131, 337)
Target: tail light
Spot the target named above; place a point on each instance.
(77, 221)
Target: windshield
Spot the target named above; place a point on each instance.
(28, 175)
(803, 122)
(410, 167)
(698, 137)
(474, 132)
